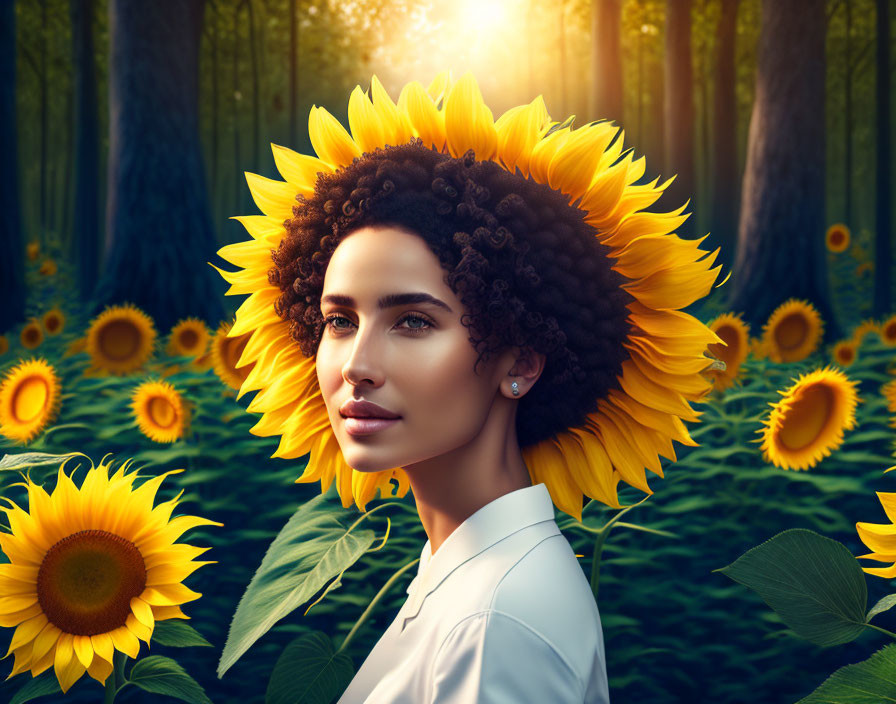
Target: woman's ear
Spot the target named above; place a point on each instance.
(525, 372)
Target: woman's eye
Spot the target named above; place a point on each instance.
(419, 323)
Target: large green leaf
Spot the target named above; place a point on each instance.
(309, 671)
(45, 683)
(32, 459)
(814, 583)
(872, 681)
(314, 546)
(161, 675)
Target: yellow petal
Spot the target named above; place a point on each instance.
(330, 140)
(274, 198)
(518, 130)
(83, 649)
(300, 170)
(125, 641)
(468, 121)
(103, 646)
(364, 122)
(395, 124)
(27, 631)
(439, 86)
(143, 612)
(573, 166)
(428, 122)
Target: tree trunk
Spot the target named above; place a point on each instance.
(159, 232)
(44, 113)
(12, 251)
(781, 251)
(253, 49)
(86, 223)
(883, 303)
(606, 60)
(724, 143)
(293, 73)
(847, 117)
(679, 109)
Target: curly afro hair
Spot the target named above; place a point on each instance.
(527, 268)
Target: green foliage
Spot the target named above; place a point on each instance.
(309, 670)
(813, 582)
(45, 683)
(160, 675)
(868, 682)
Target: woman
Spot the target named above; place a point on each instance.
(491, 293)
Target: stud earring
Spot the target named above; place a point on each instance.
(516, 388)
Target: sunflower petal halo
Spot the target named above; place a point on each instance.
(665, 273)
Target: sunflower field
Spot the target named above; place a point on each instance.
(151, 425)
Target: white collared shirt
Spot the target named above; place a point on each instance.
(501, 614)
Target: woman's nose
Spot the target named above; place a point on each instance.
(364, 362)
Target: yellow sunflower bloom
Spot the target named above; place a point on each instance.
(808, 423)
(33, 251)
(189, 338)
(868, 325)
(793, 331)
(48, 268)
(887, 331)
(91, 571)
(837, 238)
(53, 321)
(160, 411)
(31, 335)
(736, 333)
(120, 339)
(29, 399)
(226, 353)
(664, 273)
(845, 352)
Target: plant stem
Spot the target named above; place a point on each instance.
(884, 631)
(372, 605)
(116, 678)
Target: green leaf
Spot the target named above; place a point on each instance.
(45, 683)
(161, 675)
(814, 583)
(883, 605)
(872, 681)
(33, 459)
(177, 634)
(314, 546)
(309, 671)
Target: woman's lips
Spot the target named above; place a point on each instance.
(367, 426)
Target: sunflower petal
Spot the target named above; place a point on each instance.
(331, 142)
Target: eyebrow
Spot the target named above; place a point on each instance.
(388, 301)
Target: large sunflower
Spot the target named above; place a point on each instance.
(665, 273)
(91, 571)
(160, 411)
(808, 423)
(793, 331)
(120, 339)
(29, 399)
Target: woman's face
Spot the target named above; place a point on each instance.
(412, 358)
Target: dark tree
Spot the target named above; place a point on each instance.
(12, 251)
(781, 251)
(724, 183)
(606, 60)
(882, 250)
(679, 108)
(86, 222)
(159, 232)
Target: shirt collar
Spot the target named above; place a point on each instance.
(493, 522)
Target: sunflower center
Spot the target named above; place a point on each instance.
(119, 339)
(890, 331)
(836, 237)
(189, 339)
(52, 323)
(791, 331)
(807, 417)
(162, 412)
(30, 398)
(729, 335)
(31, 334)
(87, 580)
